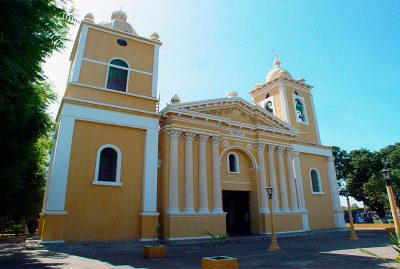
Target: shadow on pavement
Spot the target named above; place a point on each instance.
(329, 250)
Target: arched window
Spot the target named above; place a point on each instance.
(233, 163)
(117, 76)
(108, 166)
(269, 107)
(300, 115)
(315, 181)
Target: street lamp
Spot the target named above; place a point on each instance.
(386, 175)
(353, 235)
(274, 243)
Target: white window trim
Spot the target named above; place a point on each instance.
(264, 102)
(237, 163)
(119, 67)
(118, 173)
(304, 107)
(319, 181)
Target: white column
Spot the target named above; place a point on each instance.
(272, 178)
(262, 178)
(173, 205)
(216, 173)
(150, 171)
(189, 208)
(300, 189)
(59, 175)
(203, 194)
(294, 206)
(282, 181)
(337, 209)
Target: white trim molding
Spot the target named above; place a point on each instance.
(318, 179)
(312, 150)
(117, 181)
(109, 117)
(149, 203)
(315, 119)
(59, 175)
(284, 103)
(242, 149)
(155, 71)
(79, 53)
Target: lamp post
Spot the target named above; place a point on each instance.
(274, 243)
(386, 175)
(353, 235)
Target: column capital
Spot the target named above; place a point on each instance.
(188, 136)
(260, 147)
(202, 139)
(271, 148)
(280, 149)
(289, 151)
(296, 154)
(215, 140)
(330, 159)
(173, 134)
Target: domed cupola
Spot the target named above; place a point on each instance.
(118, 22)
(277, 71)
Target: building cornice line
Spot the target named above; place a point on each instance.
(113, 91)
(264, 88)
(227, 121)
(76, 101)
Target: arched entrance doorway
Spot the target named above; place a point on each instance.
(237, 189)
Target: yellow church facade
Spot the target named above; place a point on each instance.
(121, 170)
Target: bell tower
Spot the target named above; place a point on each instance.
(112, 64)
(104, 159)
(290, 100)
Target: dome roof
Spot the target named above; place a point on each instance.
(118, 22)
(277, 71)
(175, 100)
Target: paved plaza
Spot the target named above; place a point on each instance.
(321, 250)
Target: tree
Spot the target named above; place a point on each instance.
(342, 164)
(363, 164)
(30, 31)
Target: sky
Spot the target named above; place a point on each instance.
(348, 50)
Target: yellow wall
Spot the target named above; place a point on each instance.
(307, 131)
(104, 212)
(319, 206)
(101, 46)
(194, 225)
(283, 222)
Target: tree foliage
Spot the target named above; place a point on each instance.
(30, 30)
(360, 169)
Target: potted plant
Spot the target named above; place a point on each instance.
(218, 261)
(157, 249)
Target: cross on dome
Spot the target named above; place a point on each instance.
(277, 70)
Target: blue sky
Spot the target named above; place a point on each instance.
(348, 50)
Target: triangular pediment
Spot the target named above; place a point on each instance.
(238, 113)
(235, 110)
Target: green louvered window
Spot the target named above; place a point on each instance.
(117, 75)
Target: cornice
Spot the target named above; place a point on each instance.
(121, 109)
(279, 82)
(253, 110)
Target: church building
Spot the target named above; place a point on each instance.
(120, 169)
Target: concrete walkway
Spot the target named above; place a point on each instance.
(326, 250)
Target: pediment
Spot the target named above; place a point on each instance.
(237, 113)
(233, 111)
